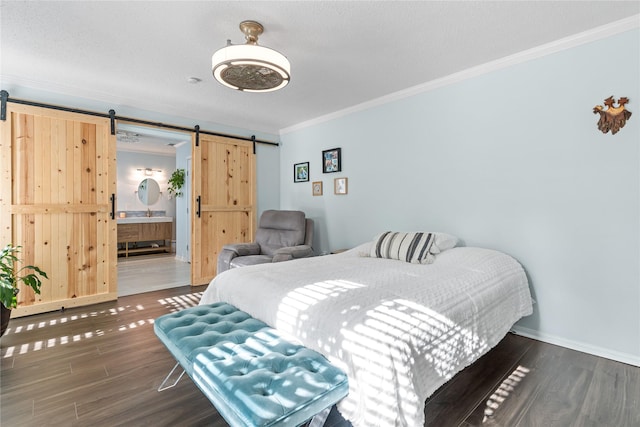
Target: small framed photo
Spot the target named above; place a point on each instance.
(340, 185)
(301, 172)
(331, 160)
(317, 188)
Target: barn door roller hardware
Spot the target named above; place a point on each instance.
(4, 95)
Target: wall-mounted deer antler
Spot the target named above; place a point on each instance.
(612, 118)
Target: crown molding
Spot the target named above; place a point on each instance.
(594, 34)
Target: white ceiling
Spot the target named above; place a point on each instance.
(140, 54)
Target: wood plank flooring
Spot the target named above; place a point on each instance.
(102, 365)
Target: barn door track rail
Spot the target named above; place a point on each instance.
(4, 98)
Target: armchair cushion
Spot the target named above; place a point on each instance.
(243, 261)
(292, 252)
(279, 229)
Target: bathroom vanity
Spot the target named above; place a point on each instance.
(134, 231)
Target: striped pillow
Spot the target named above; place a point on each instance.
(410, 247)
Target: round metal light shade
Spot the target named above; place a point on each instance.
(251, 68)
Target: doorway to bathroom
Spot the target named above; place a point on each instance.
(146, 273)
(150, 220)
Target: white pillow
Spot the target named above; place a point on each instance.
(443, 242)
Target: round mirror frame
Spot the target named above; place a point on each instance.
(148, 191)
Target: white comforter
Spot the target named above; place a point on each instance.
(398, 330)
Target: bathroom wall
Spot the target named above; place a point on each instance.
(129, 178)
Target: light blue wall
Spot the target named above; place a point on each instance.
(510, 160)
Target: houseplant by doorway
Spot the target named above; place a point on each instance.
(176, 182)
(10, 278)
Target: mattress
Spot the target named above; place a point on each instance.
(399, 330)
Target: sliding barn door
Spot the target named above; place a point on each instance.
(58, 178)
(223, 200)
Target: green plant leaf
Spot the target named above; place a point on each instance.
(10, 277)
(176, 182)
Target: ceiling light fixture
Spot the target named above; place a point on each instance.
(130, 137)
(249, 67)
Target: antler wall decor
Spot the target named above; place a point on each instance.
(612, 118)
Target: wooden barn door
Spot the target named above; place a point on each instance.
(223, 200)
(58, 178)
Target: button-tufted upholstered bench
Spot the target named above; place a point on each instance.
(251, 374)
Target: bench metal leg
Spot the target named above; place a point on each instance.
(163, 387)
(319, 419)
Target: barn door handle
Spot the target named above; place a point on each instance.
(113, 206)
(198, 210)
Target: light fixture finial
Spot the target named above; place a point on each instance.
(251, 30)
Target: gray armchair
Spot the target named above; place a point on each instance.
(281, 236)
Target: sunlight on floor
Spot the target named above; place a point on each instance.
(173, 303)
(183, 301)
(504, 390)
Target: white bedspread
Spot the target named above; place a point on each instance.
(398, 330)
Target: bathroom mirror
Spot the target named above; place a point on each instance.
(148, 191)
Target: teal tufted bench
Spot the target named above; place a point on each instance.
(251, 374)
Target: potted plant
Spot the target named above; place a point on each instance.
(10, 278)
(176, 181)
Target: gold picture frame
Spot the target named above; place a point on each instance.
(340, 186)
(317, 188)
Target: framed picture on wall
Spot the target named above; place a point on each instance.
(317, 188)
(340, 186)
(301, 172)
(331, 160)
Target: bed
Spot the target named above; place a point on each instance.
(400, 330)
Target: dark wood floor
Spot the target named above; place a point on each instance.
(102, 365)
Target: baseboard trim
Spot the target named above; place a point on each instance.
(45, 307)
(627, 358)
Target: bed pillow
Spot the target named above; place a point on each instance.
(415, 247)
(443, 242)
(410, 247)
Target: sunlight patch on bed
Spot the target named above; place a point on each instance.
(295, 303)
(441, 343)
(438, 344)
(386, 379)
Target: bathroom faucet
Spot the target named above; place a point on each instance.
(148, 213)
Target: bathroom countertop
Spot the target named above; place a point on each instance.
(144, 219)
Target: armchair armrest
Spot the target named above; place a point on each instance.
(229, 252)
(292, 252)
(243, 249)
